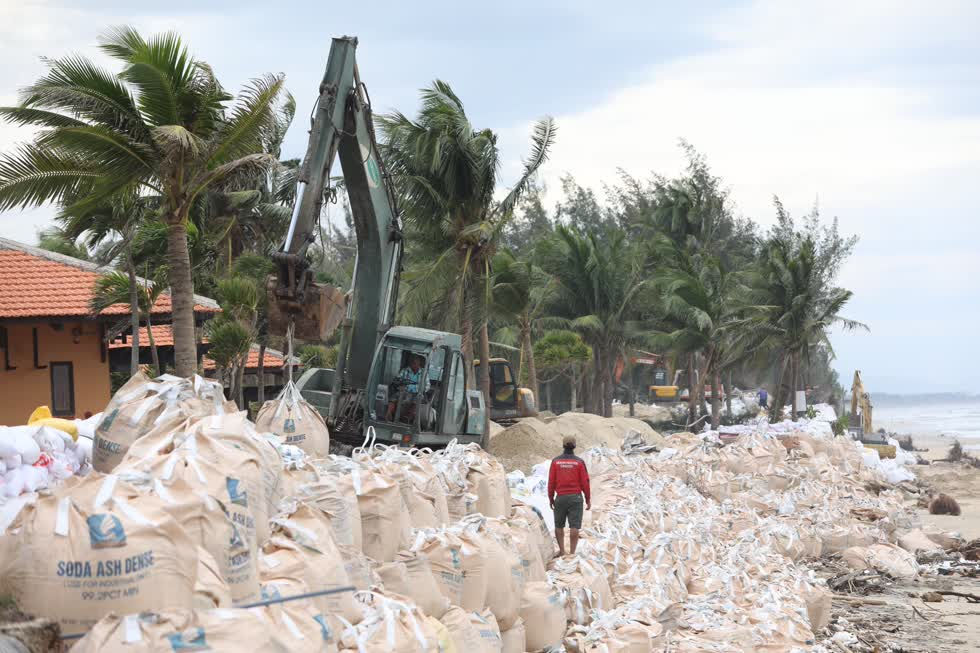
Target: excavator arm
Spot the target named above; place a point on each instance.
(341, 126)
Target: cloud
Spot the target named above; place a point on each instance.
(802, 102)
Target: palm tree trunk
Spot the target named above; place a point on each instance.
(692, 395)
(716, 401)
(702, 383)
(261, 374)
(728, 395)
(794, 381)
(610, 385)
(595, 403)
(778, 399)
(485, 364)
(466, 334)
(153, 345)
(240, 383)
(532, 370)
(182, 299)
(134, 310)
(574, 380)
(630, 390)
(585, 387)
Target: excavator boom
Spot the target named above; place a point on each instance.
(341, 125)
(365, 393)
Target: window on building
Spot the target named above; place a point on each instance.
(5, 346)
(62, 390)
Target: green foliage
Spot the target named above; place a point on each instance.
(57, 240)
(162, 129)
(559, 350)
(229, 340)
(239, 297)
(317, 356)
(839, 427)
(114, 287)
(445, 174)
(252, 266)
(117, 380)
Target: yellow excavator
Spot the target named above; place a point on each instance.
(507, 402)
(861, 426)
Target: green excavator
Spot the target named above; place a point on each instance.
(407, 384)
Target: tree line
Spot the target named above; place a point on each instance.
(159, 171)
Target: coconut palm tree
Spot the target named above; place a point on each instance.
(232, 333)
(797, 308)
(446, 173)
(111, 230)
(55, 239)
(599, 285)
(117, 288)
(161, 126)
(703, 303)
(521, 292)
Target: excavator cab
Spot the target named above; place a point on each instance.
(417, 394)
(507, 401)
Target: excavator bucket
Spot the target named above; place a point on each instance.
(314, 318)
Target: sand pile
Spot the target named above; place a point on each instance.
(525, 444)
(493, 429)
(531, 440)
(594, 431)
(652, 412)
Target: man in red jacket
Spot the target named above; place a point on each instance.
(568, 480)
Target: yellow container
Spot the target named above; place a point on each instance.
(664, 391)
(884, 450)
(42, 417)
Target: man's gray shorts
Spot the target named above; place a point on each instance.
(569, 507)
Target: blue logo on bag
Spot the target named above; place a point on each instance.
(107, 421)
(235, 494)
(236, 541)
(270, 592)
(324, 627)
(289, 426)
(191, 640)
(105, 531)
(455, 555)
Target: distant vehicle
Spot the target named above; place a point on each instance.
(652, 381)
(507, 402)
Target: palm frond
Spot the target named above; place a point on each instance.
(252, 121)
(34, 175)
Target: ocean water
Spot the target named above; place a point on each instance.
(960, 419)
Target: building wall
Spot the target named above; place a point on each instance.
(24, 389)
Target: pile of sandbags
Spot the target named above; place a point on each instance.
(143, 406)
(699, 545)
(690, 544)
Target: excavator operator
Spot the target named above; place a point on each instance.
(408, 380)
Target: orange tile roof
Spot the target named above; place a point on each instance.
(273, 360)
(163, 336)
(38, 283)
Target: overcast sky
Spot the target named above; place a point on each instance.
(871, 108)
